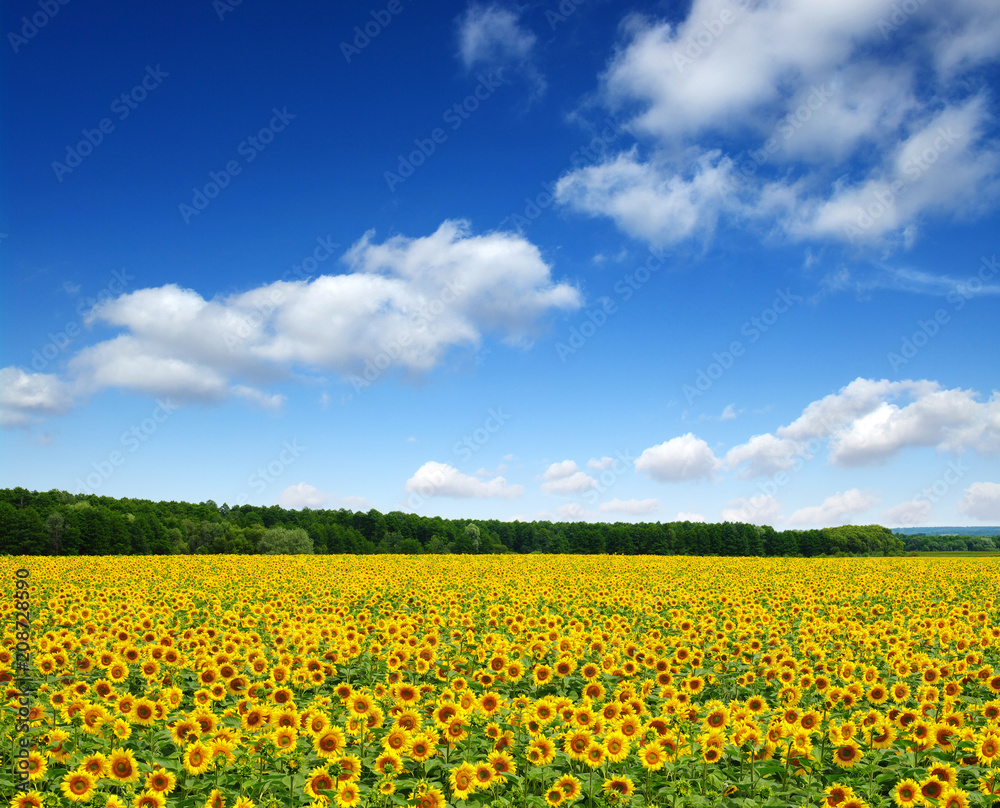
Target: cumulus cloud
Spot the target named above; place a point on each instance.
(683, 458)
(557, 471)
(25, 397)
(401, 306)
(600, 464)
(836, 509)
(434, 479)
(573, 484)
(630, 506)
(981, 501)
(792, 117)
(302, 495)
(869, 421)
(683, 516)
(492, 37)
(907, 514)
(761, 509)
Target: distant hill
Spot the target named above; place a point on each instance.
(947, 531)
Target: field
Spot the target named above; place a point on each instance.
(499, 680)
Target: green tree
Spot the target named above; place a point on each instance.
(282, 541)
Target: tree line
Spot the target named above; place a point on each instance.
(60, 523)
(917, 542)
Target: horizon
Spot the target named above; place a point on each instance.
(587, 262)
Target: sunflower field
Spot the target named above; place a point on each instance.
(239, 682)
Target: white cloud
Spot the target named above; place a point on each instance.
(765, 454)
(573, 511)
(761, 509)
(302, 495)
(862, 425)
(573, 484)
(492, 37)
(24, 397)
(434, 479)
(631, 506)
(683, 516)
(836, 509)
(826, 106)
(659, 204)
(602, 464)
(557, 471)
(683, 458)
(401, 306)
(981, 501)
(907, 514)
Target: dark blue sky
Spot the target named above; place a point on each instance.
(369, 243)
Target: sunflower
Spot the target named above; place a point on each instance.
(318, 781)
(389, 763)
(78, 786)
(432, 798)
(945, 773)
(502, 763)
(838, 794)
(161, 781)
(30, 799)
(542, 674)
(37, 765)
(149, 799)
(570, 786)
(330, 744)
(122, 766)
(144, 712)
(350, 768)
(462, 780)
(987, 749)
(616, 746)
(652, 757)
(215, 800)
(554, 796)
(576, 743)
(883, 735)
(423, 745)
(348, 795)
(621, 787)
(541, 751)
(906, 793)
(196, 759)
(952, 797)
(485, 776)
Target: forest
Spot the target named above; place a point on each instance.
(60, 523)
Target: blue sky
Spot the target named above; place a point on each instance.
(579, 260)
